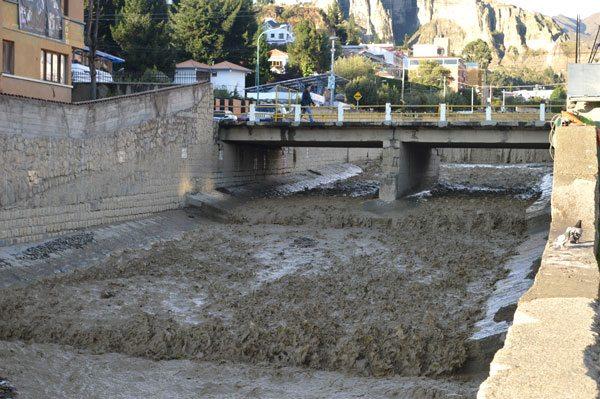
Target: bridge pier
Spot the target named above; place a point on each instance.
(406, 167)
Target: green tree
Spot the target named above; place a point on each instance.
(430, 73)
(559, 94)
(367, 86)
(215, 30)
(353, 67)
(142, 34)
(478, 51)
(353, 32)
(335, 20)
(309, 52)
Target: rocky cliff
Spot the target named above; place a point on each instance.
(505, 27)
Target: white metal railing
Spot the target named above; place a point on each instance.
(388, 113)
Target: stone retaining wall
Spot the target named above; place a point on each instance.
(551, 350)
(69, 166)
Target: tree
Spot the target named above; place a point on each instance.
(478, 51)
(353, 32)
(310, 50)
(95, 8)
(559, 94)
(353, 67)
(430, 73)
(142, 34)
(335, 20)
(215, 30)
(367, 86)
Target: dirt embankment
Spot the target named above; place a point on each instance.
(300, 281)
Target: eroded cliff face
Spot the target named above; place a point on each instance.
(505, 27)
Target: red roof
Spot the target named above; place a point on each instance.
(230, 65)
(192, 64)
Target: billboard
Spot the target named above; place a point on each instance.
(42, 17)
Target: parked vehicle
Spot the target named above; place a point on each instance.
(268, 113)
(81, 74)
(224, 116)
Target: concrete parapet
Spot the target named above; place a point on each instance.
(551, 349)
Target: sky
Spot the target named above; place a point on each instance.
(569, 8)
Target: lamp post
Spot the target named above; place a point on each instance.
(332, 76)
(257, 78)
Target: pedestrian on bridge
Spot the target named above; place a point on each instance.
(307, 102)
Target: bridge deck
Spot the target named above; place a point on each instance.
(375, 135)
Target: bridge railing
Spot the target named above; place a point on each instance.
(388, 113)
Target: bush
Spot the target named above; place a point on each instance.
(354, 67)
(367, 86)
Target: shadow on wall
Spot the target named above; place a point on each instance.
(592, 352)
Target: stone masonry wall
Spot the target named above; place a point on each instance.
(64, 167)
(69, 166)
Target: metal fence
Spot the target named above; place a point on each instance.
(389, 113)
(82, 75)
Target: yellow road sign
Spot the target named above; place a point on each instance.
(357, 96)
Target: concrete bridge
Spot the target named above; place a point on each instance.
(408, 159)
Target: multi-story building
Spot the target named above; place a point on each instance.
(38, 40)
(439, 52)
(278, 34)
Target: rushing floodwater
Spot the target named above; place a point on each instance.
(314, 289)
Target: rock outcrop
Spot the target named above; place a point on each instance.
(505, 27)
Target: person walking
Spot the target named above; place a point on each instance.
(307, 102)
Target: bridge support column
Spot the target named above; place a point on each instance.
(406, 167)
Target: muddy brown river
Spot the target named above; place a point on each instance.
(324, 293)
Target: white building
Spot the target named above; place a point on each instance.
(223, 76)
(278, 34)
(279, 60)
(439, 48)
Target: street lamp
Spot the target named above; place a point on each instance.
(257, 78)
(331, 85)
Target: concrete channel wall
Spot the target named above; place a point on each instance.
(551, 350)
(69, 166)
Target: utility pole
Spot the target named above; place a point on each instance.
(257, 77)
(331, 85)
(403, 78)
(472, 99)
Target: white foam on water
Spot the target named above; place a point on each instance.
(494, 166)
(545, 188)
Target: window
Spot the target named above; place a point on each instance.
(53, 67)
(214, 74)
(451, 62)
(8, 57)
(281, 36)
(66, 8)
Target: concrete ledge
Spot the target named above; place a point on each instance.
(551, 349)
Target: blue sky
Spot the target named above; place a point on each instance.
(554, 7)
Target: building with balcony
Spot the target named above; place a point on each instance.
(278, 34)
(278, 60)
(38, 41)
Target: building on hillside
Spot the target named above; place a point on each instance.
(439, 52)
(389, 61)
(456, 66)
(223, 76)
(38, 40)
(279, 60)
(278, 34)
(439, 48)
